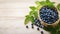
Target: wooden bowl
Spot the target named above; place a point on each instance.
(46, 24)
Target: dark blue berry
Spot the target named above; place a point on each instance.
(41, 26)
(26, 26)
(38, 29)
(42, 32)
(37, 21)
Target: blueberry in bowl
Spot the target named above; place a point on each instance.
(48, 15)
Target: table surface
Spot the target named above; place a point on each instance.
(12, 15)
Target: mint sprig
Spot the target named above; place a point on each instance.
(32, 8)
(29, 18)
(32, 14)
(46, 3)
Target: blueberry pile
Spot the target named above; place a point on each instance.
(48, 15)
(38, 23)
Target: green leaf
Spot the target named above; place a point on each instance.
(47, 3)
(27, 19)
(42, 2)
(32, 19)
(35, 14)
(37, 3)
(32, 8)
(58, 6)
(31, 12)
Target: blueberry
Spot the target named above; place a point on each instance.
(41, 26)
(26, 26)
(42, 32)
(37, 22)
(38, 29)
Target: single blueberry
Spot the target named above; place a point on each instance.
(38, 29)
(26, 26)
(42, 32)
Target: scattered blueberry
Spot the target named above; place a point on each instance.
(26, 26)
(42, 32)
(32, 26)
(38, 29)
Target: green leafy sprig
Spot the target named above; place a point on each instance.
(45, 3)
(32, 14)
